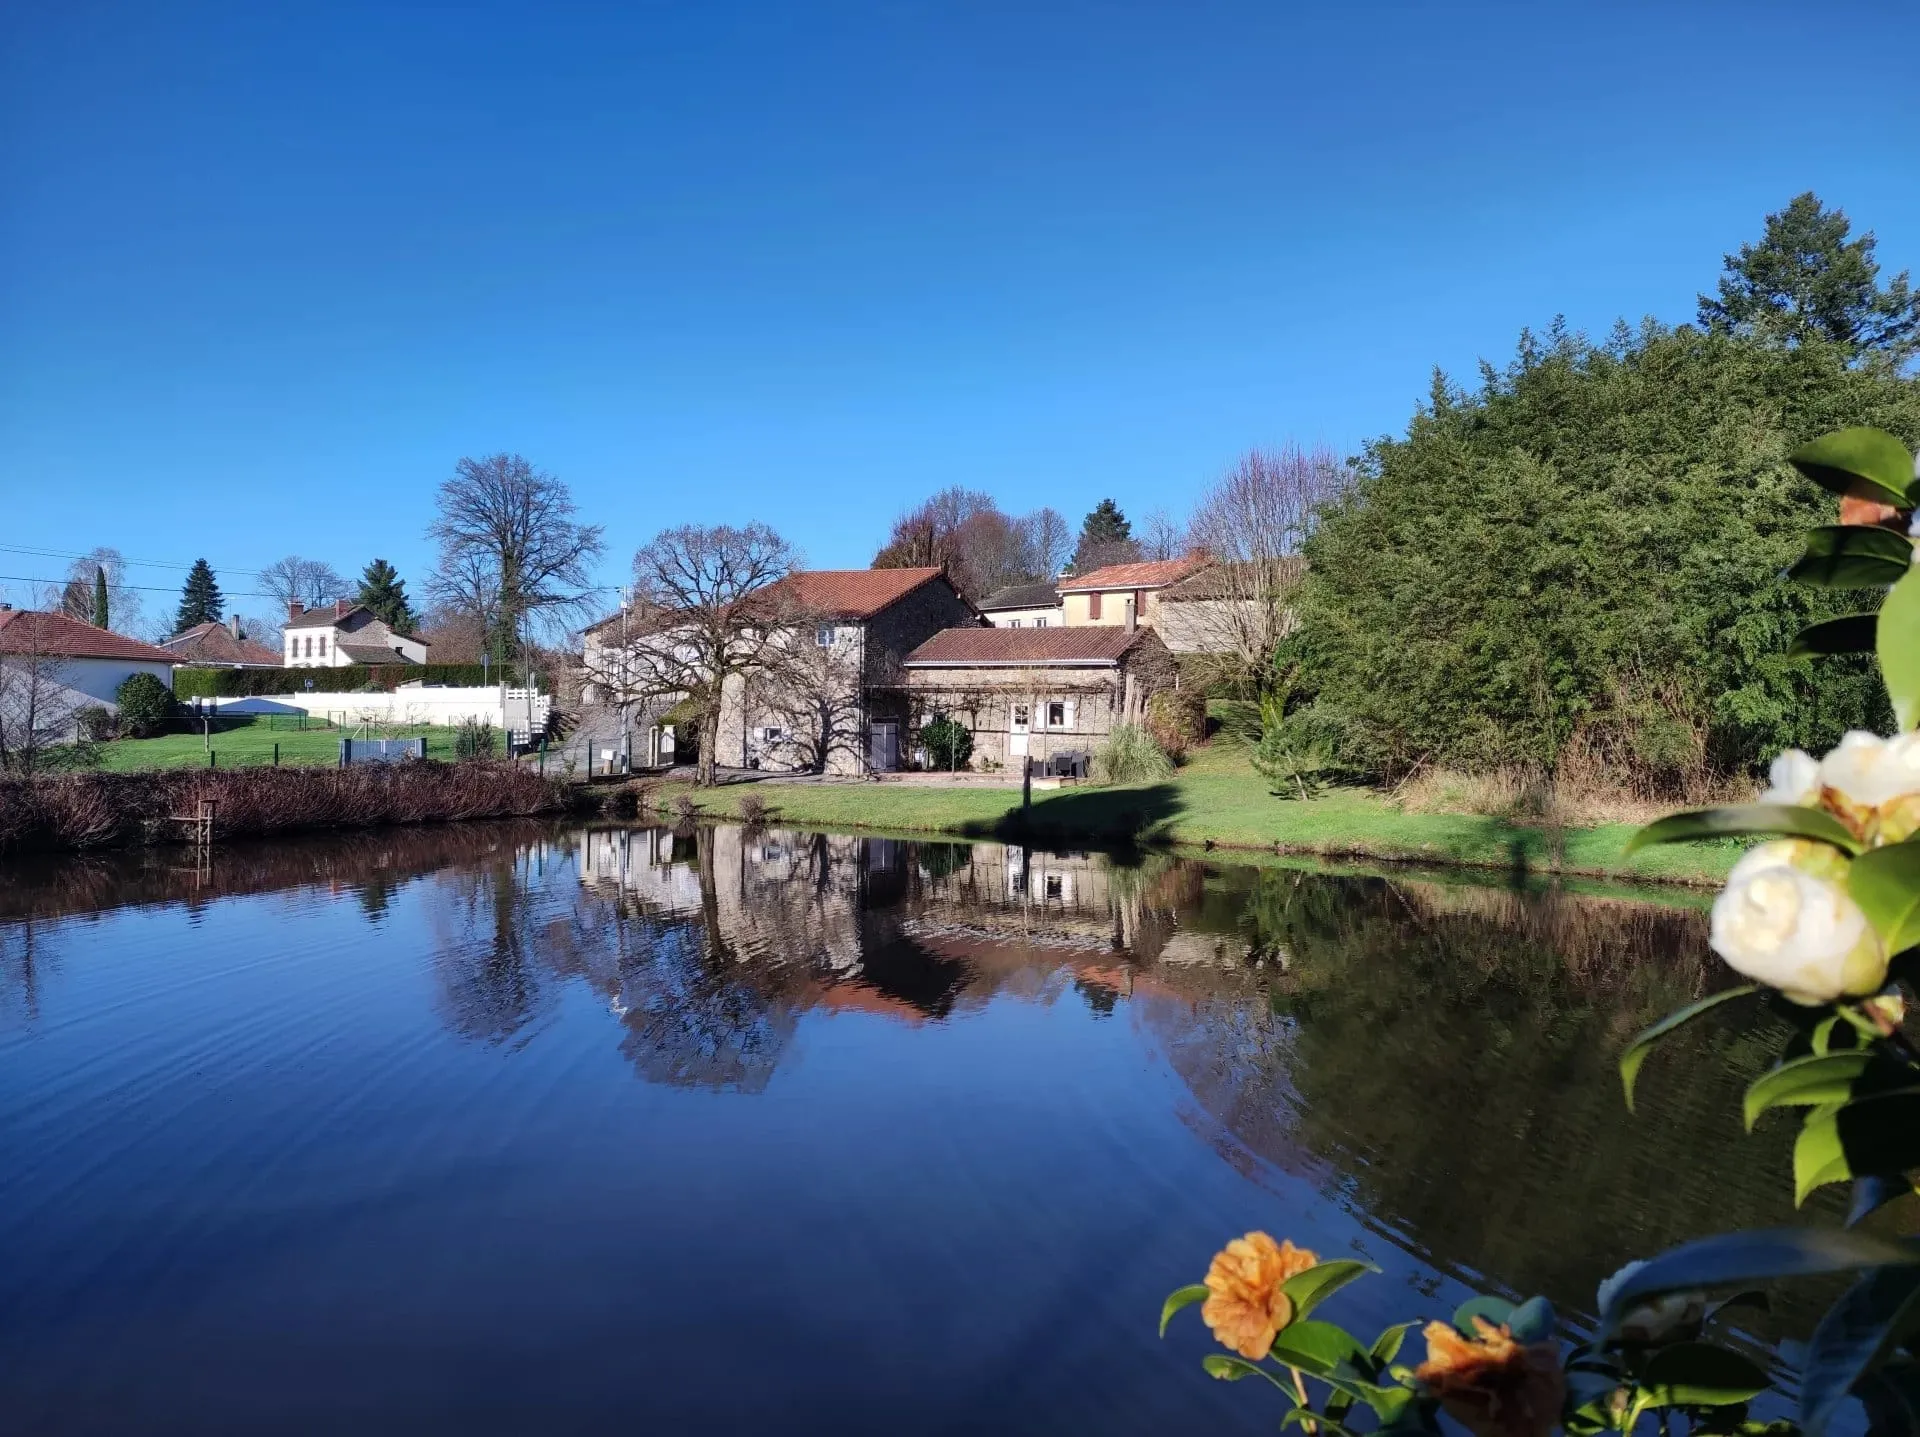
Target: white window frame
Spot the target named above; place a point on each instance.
(824, 636)
(1066, 713)
(1017, 724)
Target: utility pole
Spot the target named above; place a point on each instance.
(626, 728)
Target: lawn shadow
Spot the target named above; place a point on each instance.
(1078, 817)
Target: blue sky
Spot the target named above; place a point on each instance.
(267, 271)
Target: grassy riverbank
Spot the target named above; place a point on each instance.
(249, 742)
(1218, 800)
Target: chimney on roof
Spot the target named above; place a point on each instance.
(233, 623)
(295, 608)
(1132, 618)
(340, 607)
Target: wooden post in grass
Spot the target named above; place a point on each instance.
(211, 756)
(276, 753)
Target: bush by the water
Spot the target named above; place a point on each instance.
(1177, 719)
(948, 744)
(145, 703)
(1131, 756)
(1585, 553)
(474, 738)
(96, 723)
(104, 809)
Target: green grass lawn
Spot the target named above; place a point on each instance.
(248, 743)
(1218, 799)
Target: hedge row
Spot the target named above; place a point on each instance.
(355, 678)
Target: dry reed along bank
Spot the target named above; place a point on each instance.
(103, 810)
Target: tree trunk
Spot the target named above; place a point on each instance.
(709, 743)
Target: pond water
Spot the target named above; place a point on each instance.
(515, 1128)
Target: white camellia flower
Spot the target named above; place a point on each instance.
(1870, 771)
(1794, 777)
(1785, 919)
(1656, 1320)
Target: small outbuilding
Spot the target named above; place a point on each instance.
(1037, 693)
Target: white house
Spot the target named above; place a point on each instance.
(343, 635)
(52, 666)
(1024, 606)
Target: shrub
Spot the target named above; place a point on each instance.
(1177, 719)
(753, 809)
(683, 808)
(96, 723)
(947, 742)
(354, 678)
(144, 703)
(473, 738)
(1131, 756)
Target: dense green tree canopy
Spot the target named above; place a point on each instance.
(385, 592)
(1106, 537)
(200, 600)
(1581, 561)
(1805, 281)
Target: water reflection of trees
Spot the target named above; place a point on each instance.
(1439, 1055)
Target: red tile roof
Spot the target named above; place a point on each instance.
(1083, 644)
(28, 631)
(214, 643)
(848, 593)
(1150, 575)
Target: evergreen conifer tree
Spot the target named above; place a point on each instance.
(100, 614)
(200, 601)
(385, 592)
(1106, 537)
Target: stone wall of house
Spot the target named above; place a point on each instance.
(900, 628)
(1091, 701)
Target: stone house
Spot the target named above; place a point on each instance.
(1107, 595)
(1229, 608)
(1024, 606)
(836, 699)
(1037, 692)
(343, 634)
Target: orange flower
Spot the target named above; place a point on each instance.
(1245, 1307)
(1491, 1384)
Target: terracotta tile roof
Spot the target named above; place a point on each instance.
(848, 593)
(1083, 644)
(327, 616)
(28, 631)
(1149, 575)
(1021, 596)
(213, 643)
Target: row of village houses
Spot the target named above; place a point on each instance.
(1039, 670)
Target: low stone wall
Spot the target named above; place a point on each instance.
(505, 709)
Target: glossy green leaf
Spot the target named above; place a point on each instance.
(1316, 1348)
(1532, 1321)
(1232, 1369)
(1307, 1290)
(1181, 1297)
(1387, 1345)
(1699, 1374)
(1885, 882)
(1805, 1082)
(1818, 1156)
(1635, 1055)
(1897, 643)
(1865, 463)
(1744, 820)
(1853, 556)
(1849, 634)
(1739, 1259)
(1491, 1309)
(1857, 1332)
(1321, 1420)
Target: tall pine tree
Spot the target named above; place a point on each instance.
(100, 614)
(200, 601)
(385, 592)
(1106, 537)
(1806, 282)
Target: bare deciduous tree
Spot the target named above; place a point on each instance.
(37, 707)
(704, 621)
(981, 548)
(1252, 522)
(75, 598)
(510, 549)
(1163, 537)
(308, 581)
(1047, 539)
(815, 691)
